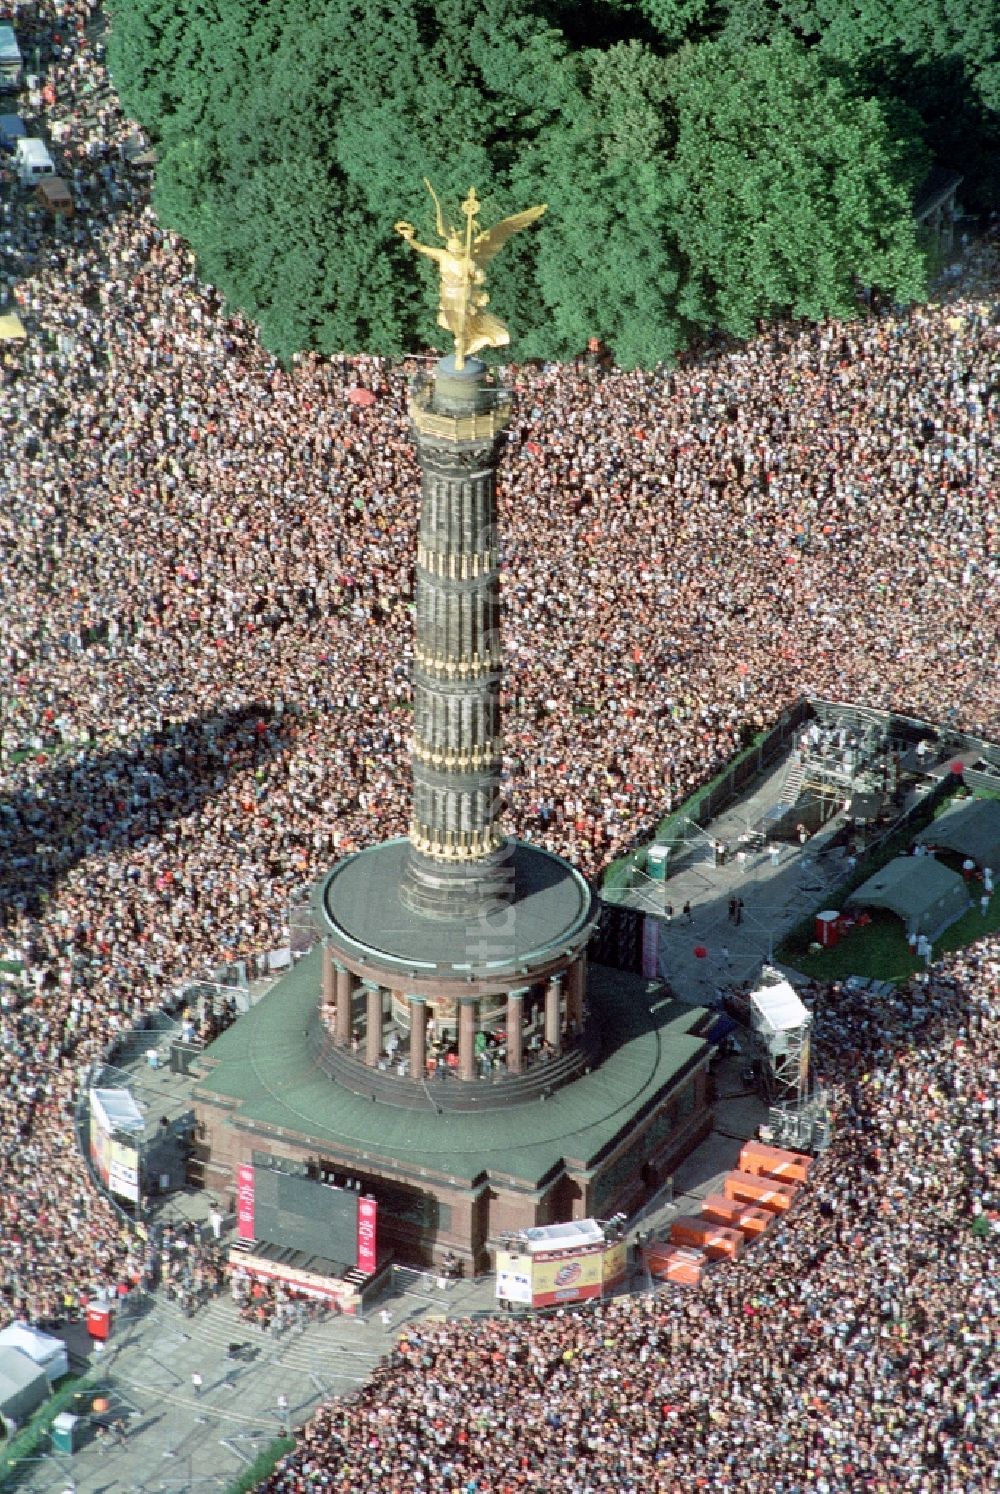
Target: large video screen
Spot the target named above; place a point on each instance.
(306, 1215)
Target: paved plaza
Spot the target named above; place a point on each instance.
(776, 895)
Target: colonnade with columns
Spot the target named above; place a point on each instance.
(346, 1016)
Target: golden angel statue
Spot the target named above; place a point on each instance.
(462, 265)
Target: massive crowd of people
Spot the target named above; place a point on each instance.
(853, 1349)
(205, 638)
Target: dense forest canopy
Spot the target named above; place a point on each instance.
(706, 165)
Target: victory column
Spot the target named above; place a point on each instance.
(458, 953)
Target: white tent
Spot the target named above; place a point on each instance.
(23, 1387)
(563, 1236)
(48, 1352)
(116, 1110)
(777, 1009)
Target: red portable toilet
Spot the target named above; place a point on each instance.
(827, 929)
(99, 1320)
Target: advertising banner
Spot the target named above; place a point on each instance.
(615, 1262)
(100, 1151)
(367, 1242)
(310, 1283)
(513, 1278)
(123, 1171)
(804, 1066)
(566, 1277)
(244, 1203)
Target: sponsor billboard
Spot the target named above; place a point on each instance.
(615, 1263)
(115, 1158)
(567, 1277)
(245, 1203)
(123, 1170)
(100, 1152)
(535, 1271)
(367, 1235)
(513, 1277)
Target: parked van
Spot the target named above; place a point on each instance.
(32, 161)
(10, 61)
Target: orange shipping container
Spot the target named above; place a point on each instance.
(718, 1242)
(763, 1193)
(741, 1216)
(676, 1263)
(775, 1162)
(754, 1222)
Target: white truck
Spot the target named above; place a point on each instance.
(32, 161)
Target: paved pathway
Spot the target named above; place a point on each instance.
(179, 1440)
(775, 896)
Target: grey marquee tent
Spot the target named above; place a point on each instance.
(926, 895)
(972, 828)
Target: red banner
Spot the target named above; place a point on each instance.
(244, 1203)
(367, 1211)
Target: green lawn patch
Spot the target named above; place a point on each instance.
(879, 950)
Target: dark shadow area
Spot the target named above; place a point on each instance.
(90, 800)
(599, 24)
(958, 129)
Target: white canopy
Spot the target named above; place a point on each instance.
(563, 1236)
(23, 1386)
(48, 1353)
(777, 1009)
(116, 1110)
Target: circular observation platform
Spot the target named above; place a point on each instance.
(358, 907)
(490, 1000)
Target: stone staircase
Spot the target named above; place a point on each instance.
(336, 1348)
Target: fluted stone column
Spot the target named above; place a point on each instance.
(328, 988)
(418, 1036)
(373, 1025)
(515, 1030)
(553, 1014)
(344, 993)
(457, 868)
(467, 1038)
(576, 987)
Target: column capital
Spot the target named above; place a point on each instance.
(413, 999)
(518, 993)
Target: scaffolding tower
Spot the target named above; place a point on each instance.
(783, 1027)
